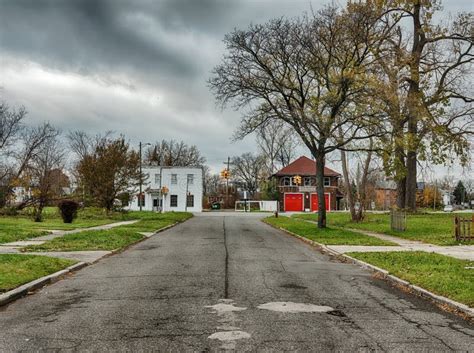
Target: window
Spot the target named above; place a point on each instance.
(327, 181)
(174, 201)
(307, 181)
(190, 179)
(157, 179)
(286, 181)
(174, 178)
(190, 201)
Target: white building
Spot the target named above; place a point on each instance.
(171, 189)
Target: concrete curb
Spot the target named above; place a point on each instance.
(442, 302)
(26, 288)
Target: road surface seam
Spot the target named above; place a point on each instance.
(226, 276)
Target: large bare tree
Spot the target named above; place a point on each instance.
(277, 143)
(306, 73)
(427, 69)
(173, 153)
(247, 169)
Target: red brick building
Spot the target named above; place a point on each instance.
(303, 197)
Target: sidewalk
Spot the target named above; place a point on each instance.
(462, 252)
(82, 256)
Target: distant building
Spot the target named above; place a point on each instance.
(303, 196)
(385, 194)
(170, 189)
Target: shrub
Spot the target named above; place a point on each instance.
(68, 209)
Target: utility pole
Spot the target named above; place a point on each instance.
(227, 182)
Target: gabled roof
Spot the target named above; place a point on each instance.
(304, 166)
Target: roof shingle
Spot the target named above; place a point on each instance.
(304, 166)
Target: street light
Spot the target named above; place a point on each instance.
(140, 200)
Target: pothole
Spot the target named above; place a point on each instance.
(290, 307)
(338, 313)
(292, 286)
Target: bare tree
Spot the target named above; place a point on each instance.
(305, 73)
(173, 153)
(10, 126)
(277, 143)
(247, 169)
(427, 93)
(41, 172)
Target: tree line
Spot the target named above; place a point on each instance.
(41, 166)
(379, 77)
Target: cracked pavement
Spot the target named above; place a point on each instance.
(157, 295)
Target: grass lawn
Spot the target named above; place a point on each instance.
(439, 274)
(434, 228)
(16, 270)
(328, 236)
(21, 227)
(115, 238)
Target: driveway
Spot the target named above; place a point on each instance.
(226, 281)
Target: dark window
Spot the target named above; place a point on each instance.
(155, 202)
(174, 201)
(286, 181)
(190, 201)
(327, 181)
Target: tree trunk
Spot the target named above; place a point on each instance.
(411, 181)
(39, 212)
(320, 190)
(347, 185)
(414, 105)
(363, 186)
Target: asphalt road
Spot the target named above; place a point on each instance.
(221, 281)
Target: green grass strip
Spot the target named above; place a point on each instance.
(432, 228)
(328, 236)
(111, 239)
(16, 270)
(443, 275)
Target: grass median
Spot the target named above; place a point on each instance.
(443, 275)
(112, 239)
(432, 228)
(327, 236)
(16, 270)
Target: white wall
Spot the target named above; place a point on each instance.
(159, 177)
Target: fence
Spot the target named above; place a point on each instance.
(251, 205)
(398, 220)
(464, 228)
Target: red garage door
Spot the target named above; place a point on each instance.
(293, 202)
(314, 202)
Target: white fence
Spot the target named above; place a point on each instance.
(262, 206)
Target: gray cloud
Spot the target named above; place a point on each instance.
(135, 67)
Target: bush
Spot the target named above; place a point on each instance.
(68, 209)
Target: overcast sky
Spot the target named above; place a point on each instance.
(135, 67)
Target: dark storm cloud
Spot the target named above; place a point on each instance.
(89, 35)
(138, 67)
